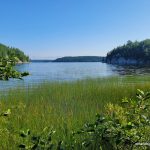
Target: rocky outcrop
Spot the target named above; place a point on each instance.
(124, 61)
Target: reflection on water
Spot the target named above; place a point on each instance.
(41, 72)
(131, 70)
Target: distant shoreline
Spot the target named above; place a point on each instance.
(73, 59)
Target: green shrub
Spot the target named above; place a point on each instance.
(7, 71)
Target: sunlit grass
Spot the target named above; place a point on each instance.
(62, 106)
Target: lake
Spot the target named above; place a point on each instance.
(42, 72)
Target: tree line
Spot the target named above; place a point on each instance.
(9, 52)
(80, 59)
(131, 50)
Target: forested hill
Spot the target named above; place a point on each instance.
(130, 53)
(80, 59)
(6, 51)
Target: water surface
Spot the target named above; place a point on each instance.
(43, 72)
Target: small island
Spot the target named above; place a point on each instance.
(73, 59)
(80, 59)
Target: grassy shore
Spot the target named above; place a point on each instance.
(62, 106)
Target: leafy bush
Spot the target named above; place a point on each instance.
(7, 71)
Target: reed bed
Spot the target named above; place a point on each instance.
(62, 106)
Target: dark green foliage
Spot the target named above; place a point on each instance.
(40, 141)
(24, 74)
(7, 71)
(80, 59)
(8, 52)
(132, 50)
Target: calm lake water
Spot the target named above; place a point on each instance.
(42, 72)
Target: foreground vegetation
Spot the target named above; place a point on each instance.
(64, 108)
(9, 57)
(7, 69)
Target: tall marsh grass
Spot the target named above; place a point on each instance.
(62, 106)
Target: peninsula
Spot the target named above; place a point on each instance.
(132, 53)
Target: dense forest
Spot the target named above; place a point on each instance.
(80, 59)
(9, 52)
(132, 52)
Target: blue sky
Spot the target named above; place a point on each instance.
(55, 28)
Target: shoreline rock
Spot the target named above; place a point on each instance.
(124, 61)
